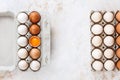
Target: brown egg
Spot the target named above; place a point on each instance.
(35, 53)
(34, 29)
(118, 40)
(118, 28)
(118, 52)
(118, 16)
(34, 17)
(118, 64)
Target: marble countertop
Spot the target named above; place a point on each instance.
(70, 38)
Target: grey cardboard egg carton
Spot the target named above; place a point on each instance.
(103, 35)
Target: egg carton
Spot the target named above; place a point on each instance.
(44, 35)
(103, 35)
(8, 40)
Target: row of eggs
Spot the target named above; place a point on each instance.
(108, 41)
(23, 29)
(34, 17)
(108, 53)
(34, 65)
(97, 29)
(97, 53)
(109, 65)
(34, 41)
(107, 16)
(34, 53)
(109, 29)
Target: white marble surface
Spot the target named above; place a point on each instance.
(70, 50)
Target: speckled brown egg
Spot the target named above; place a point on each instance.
(34, 29)
(34, 17)
(35, 53)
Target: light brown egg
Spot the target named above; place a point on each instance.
(34, 29)
(118, 28)
(34, 17)
(118, 64)
(35, 53)
(118, 16)
(118, 40)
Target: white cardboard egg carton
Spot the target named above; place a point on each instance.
(8, 41)
(103, 46)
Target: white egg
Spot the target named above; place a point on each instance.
(97, 53)
(108, 16)
(96, 41)
(109, 41)
(22, 17)
(97, 65)
(22, 29)
(35, 65)
(109, 29)
(22, 41)
(97, 29)
(22, 53)
(23, 65)
(108, 53)
(109, 65)
(96, 16)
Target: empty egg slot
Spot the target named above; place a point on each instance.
(7, 41)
